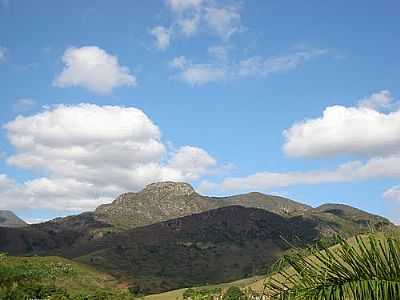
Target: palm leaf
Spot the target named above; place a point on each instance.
(368, 268)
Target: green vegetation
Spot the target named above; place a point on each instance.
(367, 267)
(233, 293)
(54, 278)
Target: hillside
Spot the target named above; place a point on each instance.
(66, 275)
(257, 283)
(215, 246)
(9, 219)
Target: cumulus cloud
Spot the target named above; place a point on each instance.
(341, 130)
(3, 52)
(94, 69)
(87, 154)
(197, 74)
(345, 130)
(162, 36)
(193, 162)
(377, 101)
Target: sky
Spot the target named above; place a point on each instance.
(295, 98)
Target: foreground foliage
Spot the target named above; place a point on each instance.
(366, 268)
(30, 278)
(233, 293)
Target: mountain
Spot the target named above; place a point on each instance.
(164, 201)
(168, 236)
(218, 245)
(9, 219)
(157, 202)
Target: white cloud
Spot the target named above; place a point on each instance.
(220, 68)
(393, 194)
(24, 104)
(180, 6)
(345, 130)
(379, 100)
(378, 167)
(36, 220)
(179, 62)
(94, 69)
(190, 16)
(189, 25)
(86, 155)
(193, 162)
(5, 182)
(198, 74)
(341, 130)
(3, 52)
(162, 36)
(219, 53)
(225, 21)
(260, 66)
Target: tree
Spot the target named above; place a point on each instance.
(367, 267)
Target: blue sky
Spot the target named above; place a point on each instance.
(297, 99)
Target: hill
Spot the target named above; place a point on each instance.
(9, 219)
(65, 275)
(215, 246)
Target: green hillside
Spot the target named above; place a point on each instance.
(57, 277)
(363, 243)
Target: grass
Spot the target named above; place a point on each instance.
(177, 294)
(74, 277)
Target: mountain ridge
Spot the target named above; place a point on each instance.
(163, 201)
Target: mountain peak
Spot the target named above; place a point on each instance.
(9, 219)
(169, 187)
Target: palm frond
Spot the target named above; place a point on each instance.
(366, 268)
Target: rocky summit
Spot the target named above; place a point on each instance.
(157, 202)
(9, 219)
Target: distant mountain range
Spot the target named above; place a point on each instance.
(168, 236)
(9, 219)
